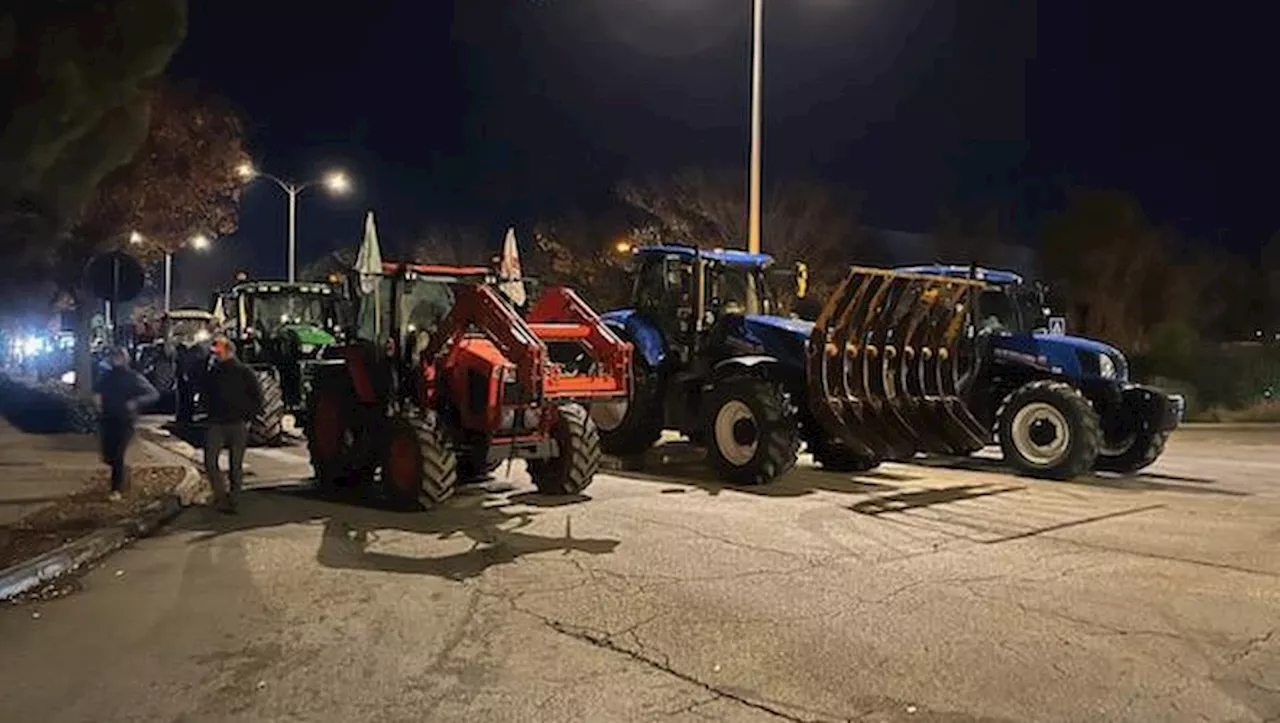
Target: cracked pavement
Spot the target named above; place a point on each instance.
(923, 592)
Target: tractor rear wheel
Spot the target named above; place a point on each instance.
(266, 429)
(575, 467)
(329, 434)
(1135, 452)
(184, 401)
(163, 375)
(475, 466)
(419, 469)
(631, 426)
(834, 456)
(1048, 429)
(752, 433)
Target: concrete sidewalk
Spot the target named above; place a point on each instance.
(37, 470)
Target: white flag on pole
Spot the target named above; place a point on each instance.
(369, 260)
(511, 284)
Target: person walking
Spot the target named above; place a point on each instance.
(233, 397)
(122, 391)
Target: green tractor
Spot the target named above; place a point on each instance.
(284, 331)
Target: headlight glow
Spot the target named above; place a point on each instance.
(203, 335)
(1106, 367)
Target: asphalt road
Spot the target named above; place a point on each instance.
(914, 593)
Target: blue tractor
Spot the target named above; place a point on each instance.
(933, 359)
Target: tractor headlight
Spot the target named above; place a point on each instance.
(203, 335)
(1106, 367)
(307, 348)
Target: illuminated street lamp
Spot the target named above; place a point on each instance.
(336, 182)
(199, 242)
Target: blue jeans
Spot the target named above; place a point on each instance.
(234, 437)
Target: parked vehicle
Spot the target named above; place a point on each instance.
(285, 332)
(898, 362)
(444, 380)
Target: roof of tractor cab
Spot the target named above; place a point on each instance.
(461, 272)
(282, 287)
(995, 276)
(730, 257)
(197, 314)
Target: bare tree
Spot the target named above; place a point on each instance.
(802, 220)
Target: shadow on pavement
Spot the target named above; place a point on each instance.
(352, 529)
(678, 463)
(1142, 482)
(907, 501)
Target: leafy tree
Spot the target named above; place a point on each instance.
(1114, 268)
(74, 77)
(589, 255)
(182, 182)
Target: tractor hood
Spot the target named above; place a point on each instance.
(1073, 357)
(776, 336)
(309, 334)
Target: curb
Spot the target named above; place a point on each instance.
(78, 553)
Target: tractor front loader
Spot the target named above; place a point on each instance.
(933, 359)
(447, 381)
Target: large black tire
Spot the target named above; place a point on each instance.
(573, 470)
(631, 427)
(266, 429)
(476, 467)
(419, 469)
(1133, 454)
(833, 456)
(1048, 429)
(163, 375)
(752, 432)
(184, 401)
(329, 436)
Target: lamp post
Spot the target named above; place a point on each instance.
(199, 242)
(757, 68)
(336, 182)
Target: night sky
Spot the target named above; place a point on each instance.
(494, 112)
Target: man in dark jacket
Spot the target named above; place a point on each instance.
(121, 392)
(233, 398)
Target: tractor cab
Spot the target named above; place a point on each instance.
(702, 304)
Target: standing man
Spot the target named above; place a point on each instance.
(233, 397)
(122, 391)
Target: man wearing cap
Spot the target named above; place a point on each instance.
(233, 397)
(122, 391)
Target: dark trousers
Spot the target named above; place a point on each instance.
(115, 435)
(234, 437)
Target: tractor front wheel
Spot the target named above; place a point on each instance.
(570, 472)
(834, 456)
(329, 436)
(752, 434)
(1136, 451)
(266, 429)
(631, 426)
(1048, 429)
(420, 469)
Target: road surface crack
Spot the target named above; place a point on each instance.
(606, 642)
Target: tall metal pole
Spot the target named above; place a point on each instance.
(168, 279)
(757, 48)
(293, 230)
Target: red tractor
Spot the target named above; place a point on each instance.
(447, 380)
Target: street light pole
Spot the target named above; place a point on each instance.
(335, 181)
(757, 48)
(293, 192)
(168, 279)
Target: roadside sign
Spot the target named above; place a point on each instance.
(1058, 325)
